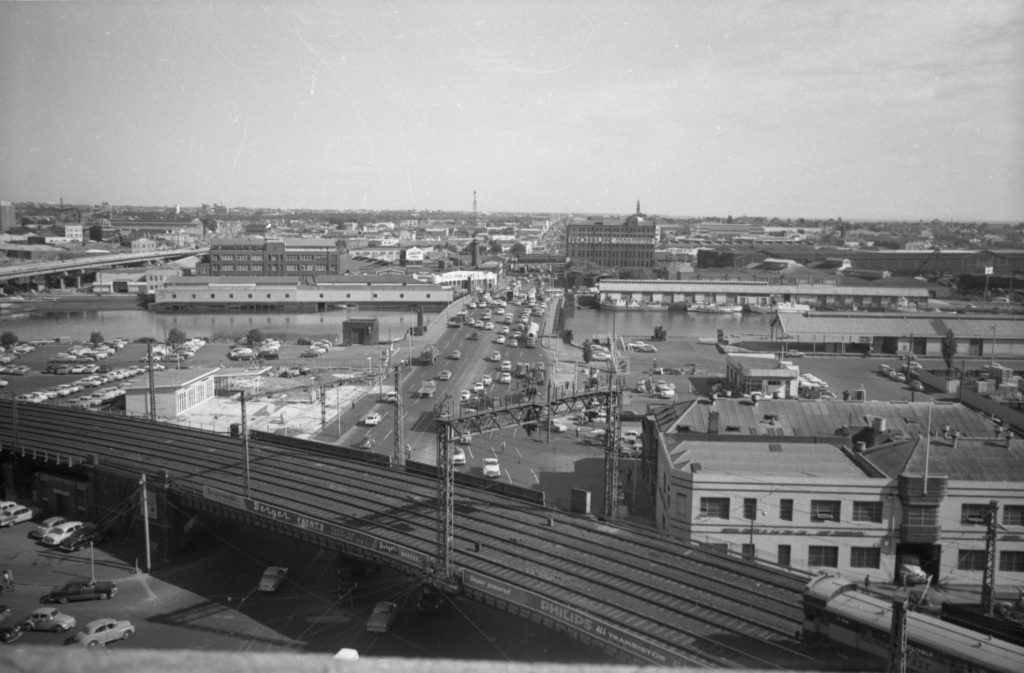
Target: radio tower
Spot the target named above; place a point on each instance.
(475, 220)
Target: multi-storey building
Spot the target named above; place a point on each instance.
(614, 246)
(7, 216)
(844, 487)
(300, 257)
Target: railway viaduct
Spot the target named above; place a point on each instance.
(641, 597)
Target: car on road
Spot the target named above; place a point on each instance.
(456, 355)
(794, 354)
(48, 619)
(505, 377)
(273, 578)
(557, 426)
(504, 330)
(365, 443)
(492, 470)
(19, 514)
(61, 533)
(458, 456)
(105, 630)
(465, 396)
(486, 379)
(81, 590)
(478, 387)
(506, 365)
(914, 385)
(382, 617)
(500, 340)
(45, 526)
(445, 374)
(495, 356)
(372, 419)
(488, 325)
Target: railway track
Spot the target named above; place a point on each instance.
(717, 610)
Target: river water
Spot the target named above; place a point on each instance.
(135, 323)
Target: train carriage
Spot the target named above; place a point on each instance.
(859, 624)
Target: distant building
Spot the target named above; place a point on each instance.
(8, 219)
(613, 246)
(301, 257)
(177, 391)
(144, 245)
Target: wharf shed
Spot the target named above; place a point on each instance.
(902, 333)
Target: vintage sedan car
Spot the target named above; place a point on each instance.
(455, 355)
(105, 630)
(505, 378)
(88, 534)
(7, 506)
(45, 526)
(372, 419)
(486, 379)
(61, 533)
(48, 619)
(273, 578)
(10, 634)
(365, 443)
(458, 456)
(492, 470)
(465, 395)
(558, 426)
(382, 617)
(445, 374)
(17, 515)
(81, 590)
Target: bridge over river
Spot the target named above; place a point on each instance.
(641, 597)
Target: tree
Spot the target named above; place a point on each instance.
(518, 249)
(253, 338)
(8, 339)
(176, 337)
(949, 348)
(96, 338)
(495, 248)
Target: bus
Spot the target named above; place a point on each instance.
(531, 335)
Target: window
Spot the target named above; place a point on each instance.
(865, 557)
(867, 511)
(973, 513)
(250, 295)
(970, 559)
(749, 508)
(785, 552)
(921, 515)
(786, 509)
(1013, 515)
(827, 557)
(716, 508)
(1011, 561)
(748, 551)
(824, 510)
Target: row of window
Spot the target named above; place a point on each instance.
(287, 295)
(821, 510)
(1013, 515)
(823, 556)
(274, 267)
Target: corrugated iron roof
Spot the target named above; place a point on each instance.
(770, 459)
(903, 324)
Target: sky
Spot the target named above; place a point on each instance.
(858, 109)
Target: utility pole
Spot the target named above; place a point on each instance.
(245, 447)
(145, 519)
(398, 458)
(152, 382)
(898, 637)
(988, 579)
(611, 453)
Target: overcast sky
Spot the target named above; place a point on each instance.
(859, 109)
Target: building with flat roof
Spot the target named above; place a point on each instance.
(177, 391)
(613, 246)
(763, 373)
(304, 258)
(902, 333)
(844, 487)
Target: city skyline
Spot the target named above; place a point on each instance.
(907, 111)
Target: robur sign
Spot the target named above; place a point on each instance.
(249, 384)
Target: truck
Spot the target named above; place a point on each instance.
(427, 389)
(427, 356)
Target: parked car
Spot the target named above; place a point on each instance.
(61, 533)
(372, 419)
(102, 631)
(492, 470)
(88, 534)
(45, 526)
(7, 506)
(910, 571)
(382, 617)
(48, 619)
(10, 634)
(81, 590)
(486, 379)
(465, 396)
(273, 578)
(431, 599)
(505, 377)
(17, 515)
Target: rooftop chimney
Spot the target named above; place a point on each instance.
(713, 421)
